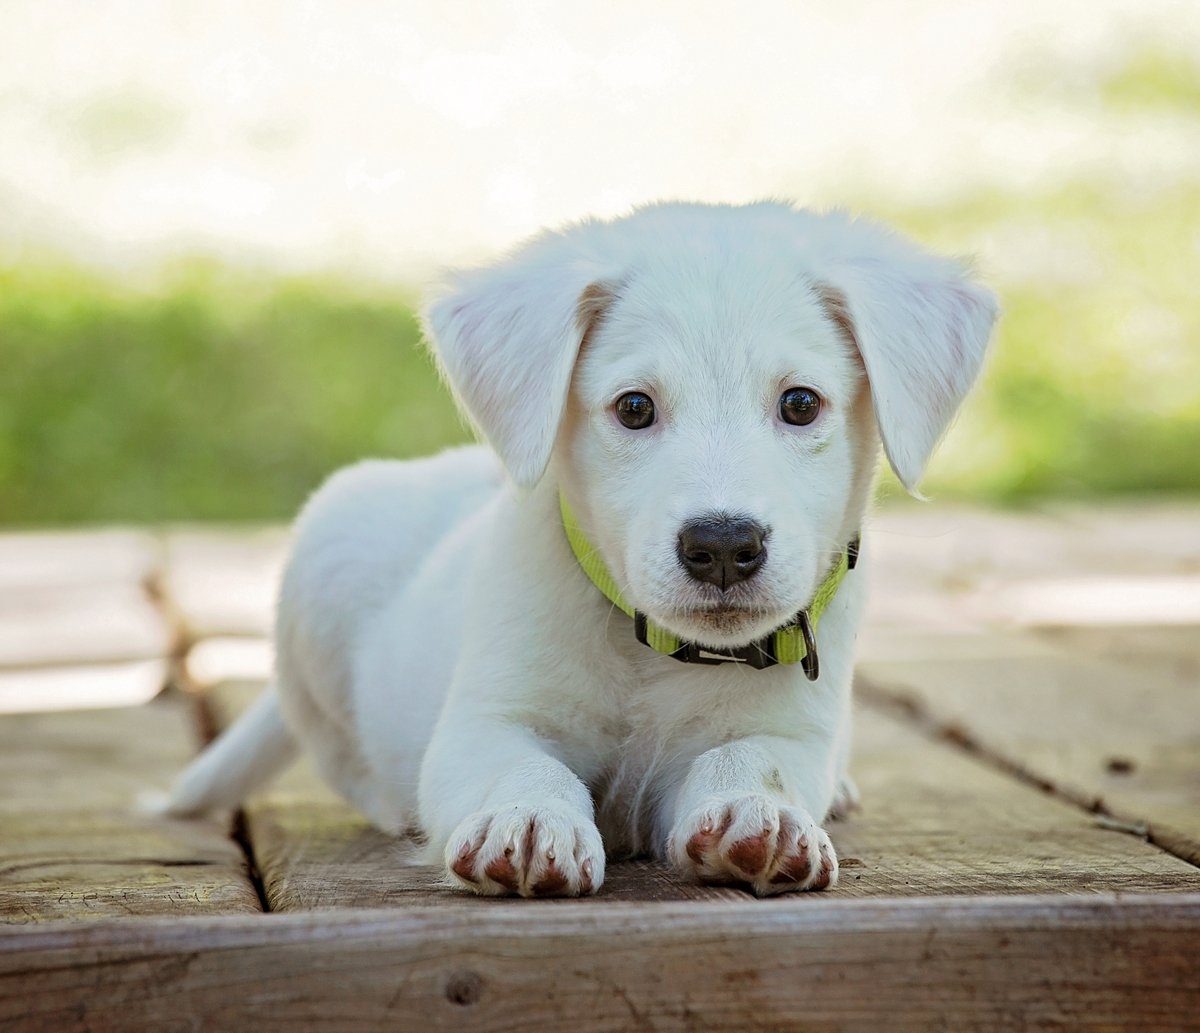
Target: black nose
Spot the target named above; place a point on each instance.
(722, 550)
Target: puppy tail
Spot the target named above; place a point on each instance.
(256, 748)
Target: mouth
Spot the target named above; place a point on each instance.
(736, 603)
(726, 623)
(718, 618)
(721, 612)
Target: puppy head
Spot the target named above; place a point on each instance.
(710, 385)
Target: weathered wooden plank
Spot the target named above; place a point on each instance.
(937, 822)
(76, 598)
(82, 686)
(70, 559)
(953, 544)
(934, 823)
(230, 658)
(88, 624)
(809, 963)
(73, 843)
(1087, 717)
(1172, 651)
(953, 568)
(1146, 536)
(224, 582)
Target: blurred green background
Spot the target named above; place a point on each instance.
(210, 396)
(205, 392)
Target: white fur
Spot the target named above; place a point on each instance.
(445, 659)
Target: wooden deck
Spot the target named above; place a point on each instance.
(1028, 747)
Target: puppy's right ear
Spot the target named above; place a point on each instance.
(921, 327)
(507, 337)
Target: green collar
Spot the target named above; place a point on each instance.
(795, 642)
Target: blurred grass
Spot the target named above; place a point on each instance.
(223, 395)
(1093, 387)
(217, 395)
(213, 396)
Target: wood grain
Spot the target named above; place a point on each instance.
(934, 823)
(1091, 722)
(73, 843)
(969, 900)
(801, 964)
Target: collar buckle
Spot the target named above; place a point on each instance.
(810, 662)
(759, 655)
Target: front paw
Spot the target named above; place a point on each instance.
(771, 847)
(531, 851)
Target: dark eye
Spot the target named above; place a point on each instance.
(799, 406)
(635, 410)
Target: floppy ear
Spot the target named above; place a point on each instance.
(507, 337)
(922, 328)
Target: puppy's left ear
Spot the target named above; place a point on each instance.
(507, 337)
(922, 328)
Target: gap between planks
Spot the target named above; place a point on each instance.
(901, 704)
(183, 638)
(935, 824)
(886, 697)
(207, 730)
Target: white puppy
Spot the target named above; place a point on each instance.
(698, 394)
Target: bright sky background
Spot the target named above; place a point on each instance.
(386, 138)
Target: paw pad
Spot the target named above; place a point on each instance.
(530, 852)
(767, 846)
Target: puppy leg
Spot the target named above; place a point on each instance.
(513, 818)
(745, 814)
(331, 744)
